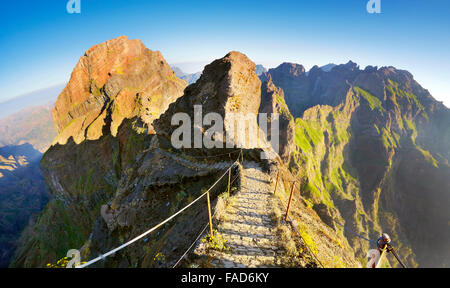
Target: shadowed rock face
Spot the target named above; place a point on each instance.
(114, 80)
(227, 85)
(304, 90)
(272, 101)
(23, 193)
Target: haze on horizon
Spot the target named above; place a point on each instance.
(41, 43)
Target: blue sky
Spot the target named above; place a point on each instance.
(40, 42)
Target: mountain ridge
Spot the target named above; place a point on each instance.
(360, 141)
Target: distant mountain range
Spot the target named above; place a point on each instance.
(328, 67)
(33, 125)
(189, 78)
(260, 69)
(35, 98)
(193, 77)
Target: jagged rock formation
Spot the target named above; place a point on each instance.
(272, 101)
(369, 145)
(373, 143)
(304, 90)
(113, 188)
(164, 179)
(228, 87)
(114, 80)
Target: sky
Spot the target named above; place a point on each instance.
(40, 43)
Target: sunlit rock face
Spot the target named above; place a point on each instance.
(114, 80)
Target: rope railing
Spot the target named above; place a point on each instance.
(200, 234)
(206, 193)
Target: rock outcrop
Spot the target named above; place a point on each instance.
(228, 87)
(272, 101)
(114, 80)
(104, 116)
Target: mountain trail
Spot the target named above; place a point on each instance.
(247, 226)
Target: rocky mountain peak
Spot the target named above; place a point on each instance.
(114, 80)
(292, 69)
(227, 85)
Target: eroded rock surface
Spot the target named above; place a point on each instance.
(114, 80)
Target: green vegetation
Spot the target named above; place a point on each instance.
(216, 242)
(428, 157)
(284, 108)
(373, 101)
(388, 140)
(303, 229)
(93, 88)
(394, 89)
(307, 134)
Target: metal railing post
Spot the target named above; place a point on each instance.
(289, 203)
(276, 183)
(229, 179)
(209, 215)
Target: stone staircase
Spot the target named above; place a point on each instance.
(247, 226)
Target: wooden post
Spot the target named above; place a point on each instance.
(242, 157)
(276, 183)
(289, 203)
(229, 179)
(209, 214)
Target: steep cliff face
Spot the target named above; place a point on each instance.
(374, 150)
(164, 179)
(228, 87)
(272, 101)
(22, 194)
(114, 80)
(108, 190)
(304, 90)
(115, 92)
(371, 148)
